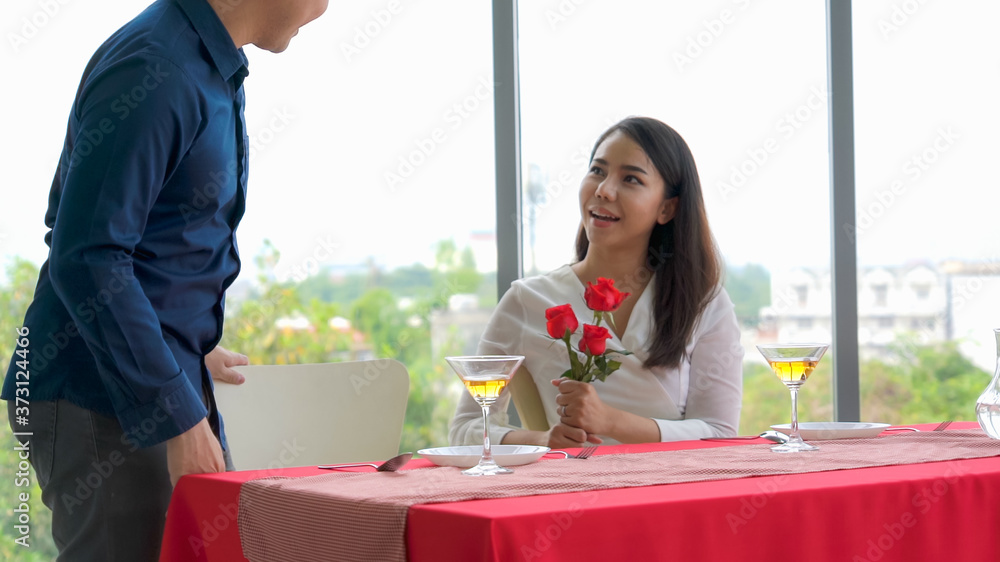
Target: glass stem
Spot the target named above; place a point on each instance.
(795, 413)
(487, 453)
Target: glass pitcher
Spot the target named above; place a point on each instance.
(988, 405)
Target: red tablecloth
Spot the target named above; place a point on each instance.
(933, 511)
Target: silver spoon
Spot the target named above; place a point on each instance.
(776, 436)
(391, 465)
(770, 435)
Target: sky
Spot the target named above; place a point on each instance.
(372, 135)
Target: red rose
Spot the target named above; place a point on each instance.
(560, 320)
(603, 296)
(594, 340)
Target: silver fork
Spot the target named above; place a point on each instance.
(941, 426)
(583, 454)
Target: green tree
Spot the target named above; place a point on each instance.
(386, 328)
(749, 287)
(254, 328)
(923, 383)
(915, 384)
(15, 296)
(766, 401)
(454, 273)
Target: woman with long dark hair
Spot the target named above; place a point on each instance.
(643, 224)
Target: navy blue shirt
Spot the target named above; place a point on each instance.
(142, 215)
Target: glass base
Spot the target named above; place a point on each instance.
(487, 469)
(794, 445)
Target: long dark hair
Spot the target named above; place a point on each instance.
(681, 254)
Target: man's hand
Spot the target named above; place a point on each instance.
(220, 362)
(196, 451)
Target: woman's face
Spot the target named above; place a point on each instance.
(623, 196)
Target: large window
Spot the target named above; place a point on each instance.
(925, 134)
(366, 135)
(377, 124)
(747, 91)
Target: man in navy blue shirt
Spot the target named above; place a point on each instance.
(128, 307)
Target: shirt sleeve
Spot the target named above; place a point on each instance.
(499, 338)
(134, 122)
(715, 391)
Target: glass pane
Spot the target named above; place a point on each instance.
(391, 130)
(745, 84)
(929, 271)
(366, 135)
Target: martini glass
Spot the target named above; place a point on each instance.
(793, 363)
(485, 376)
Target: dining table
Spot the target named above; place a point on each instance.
(934, 508)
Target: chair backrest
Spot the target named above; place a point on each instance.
(527, 401)
(301, 415)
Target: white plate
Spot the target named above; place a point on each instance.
(834, 430)
(467, 456)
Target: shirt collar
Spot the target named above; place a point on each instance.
(230, 61)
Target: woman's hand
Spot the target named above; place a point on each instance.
(580, 407)
(562, 436)
(220, 362)
(582, 412)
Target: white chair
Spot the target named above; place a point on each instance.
(311, 414)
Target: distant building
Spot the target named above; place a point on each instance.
(458, 329)
(974, 308)
(930, 303)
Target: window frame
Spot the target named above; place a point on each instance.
(844, 267)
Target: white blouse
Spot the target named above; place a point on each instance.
(700, 398)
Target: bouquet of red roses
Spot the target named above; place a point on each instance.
(561, 323)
